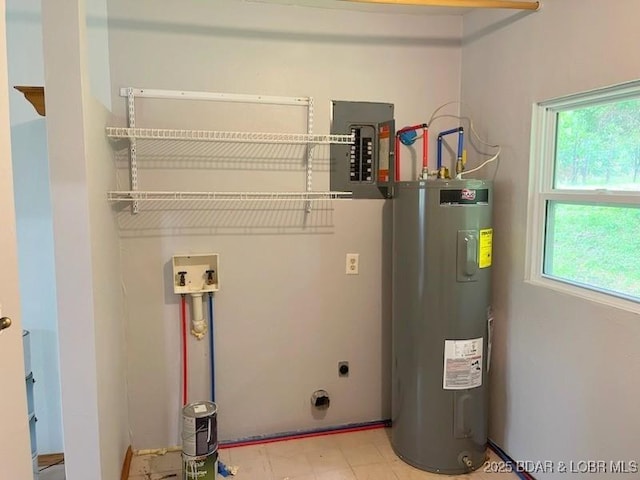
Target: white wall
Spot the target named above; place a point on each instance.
(111, 351)
(286, 313)
(564, 374)
(110, 342)
(98, 45)
(91, 328)
(33, 218)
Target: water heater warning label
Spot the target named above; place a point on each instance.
(486, 247)
(462, 364)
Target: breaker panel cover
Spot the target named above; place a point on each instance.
(366, 167)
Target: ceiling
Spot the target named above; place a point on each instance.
(367, 7)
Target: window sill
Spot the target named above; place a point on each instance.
(584, 293)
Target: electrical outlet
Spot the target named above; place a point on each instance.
(353, 263)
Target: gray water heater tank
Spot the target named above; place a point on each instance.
(442, 255)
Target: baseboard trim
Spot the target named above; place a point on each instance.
(126, 464)
(49, 459)
(279, 437)
(522, 474)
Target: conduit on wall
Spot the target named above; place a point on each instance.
(460, 3)
(185, 370)
(212, 349)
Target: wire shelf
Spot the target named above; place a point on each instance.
(138, 195)
(219, 136)
(181, 137)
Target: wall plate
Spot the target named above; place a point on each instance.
(198, 272)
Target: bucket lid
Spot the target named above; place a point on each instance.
(200, 409)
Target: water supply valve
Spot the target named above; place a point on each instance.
(196, 275)
(443, 173)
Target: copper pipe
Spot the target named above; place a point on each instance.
(460, 3)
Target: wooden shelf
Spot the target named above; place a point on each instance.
(518, 5)
(35, 96)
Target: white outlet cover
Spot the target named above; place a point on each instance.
(352, 266)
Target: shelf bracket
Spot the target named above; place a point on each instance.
(133, 160)
(132, 133)
(35, 96)
(310, 151)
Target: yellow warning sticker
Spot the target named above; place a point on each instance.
(486, 247)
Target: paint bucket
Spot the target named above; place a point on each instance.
(203, 467)
(199, 429)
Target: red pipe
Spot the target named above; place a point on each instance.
(396, 170)
(425, 147)
(183, 317)
(412, 127)
(296, 436)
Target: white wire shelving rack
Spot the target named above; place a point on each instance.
(233, 137)
(140, 195)
(134, 133)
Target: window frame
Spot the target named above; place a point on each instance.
(542, 191)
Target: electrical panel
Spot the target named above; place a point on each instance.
(365, 167)
(361, 154)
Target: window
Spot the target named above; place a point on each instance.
(584, 210)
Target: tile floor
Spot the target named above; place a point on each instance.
(55, 472)
(364, 455)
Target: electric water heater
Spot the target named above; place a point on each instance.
(442, 256)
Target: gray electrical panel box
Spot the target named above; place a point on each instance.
(366, 167)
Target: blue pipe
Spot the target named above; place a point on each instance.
(223, 470)
(460, 132)
(305, 433)
(513, 466)
(212, 349)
